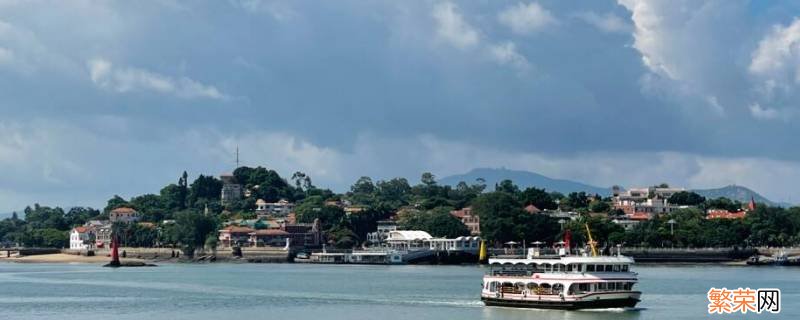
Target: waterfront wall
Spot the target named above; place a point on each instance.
(688, 254)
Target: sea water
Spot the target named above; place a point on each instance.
(346, 292)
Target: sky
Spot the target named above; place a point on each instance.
(99, 98)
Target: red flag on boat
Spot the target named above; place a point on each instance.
(567, 239)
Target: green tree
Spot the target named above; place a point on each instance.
(507, 186)
(503, 219)
(192, 229)
(79, 215)
(150, 206)
(172, 198)
(438, 222)
(686, 198)
(576, 200)
(40, 217)
(265, 184)
(363, 185)
(539, 198)
(722, 203)
(115, 202)
(314, 208)
(599, 206)
(204, 188)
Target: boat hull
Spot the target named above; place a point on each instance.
(627, 302)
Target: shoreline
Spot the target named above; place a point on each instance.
(62, 258)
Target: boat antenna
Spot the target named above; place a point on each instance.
(592, 244)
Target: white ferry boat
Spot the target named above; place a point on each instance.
(561, 281)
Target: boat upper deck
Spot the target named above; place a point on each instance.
(565, 260)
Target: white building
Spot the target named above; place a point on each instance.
(626, 223)
(80, 238)
(382, 232)
(415, 240)
(641, 194)
(645, 201)
(281, 208)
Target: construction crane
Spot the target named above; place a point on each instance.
(592, 244)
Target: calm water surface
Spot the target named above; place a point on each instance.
(283, 291)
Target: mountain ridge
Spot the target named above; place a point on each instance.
(525, 179)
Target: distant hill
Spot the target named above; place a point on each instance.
(739, 193)
(523, 179)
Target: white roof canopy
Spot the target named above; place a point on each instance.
(407, 235)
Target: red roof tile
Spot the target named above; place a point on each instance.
(123, 210)
(238, 229)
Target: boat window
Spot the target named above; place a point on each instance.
(558, 288)
(625, 268)
(532, 286)
(519, 287)
(590, 268)
(616, 268)
(602, 286)
(569, 268)
(608, 268)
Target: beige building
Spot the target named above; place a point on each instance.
(123, 214)
(472, 221)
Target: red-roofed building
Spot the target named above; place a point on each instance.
(300, 235)
(234, 235)
(80, 238)
(472, 221)
(532, 209)
(123, 214)
(725, 214)
(639, 216)
(751, 205)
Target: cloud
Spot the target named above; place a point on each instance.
(653, 28)
(526, 19)
(506, 53)
(693, 52)
(6, 56)
(281, 151)
(762, 113)
(20, 49)
(775, 67)
(452, 28)
(779, 53)
(608, 22)
(128, 79)
(277, 9)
